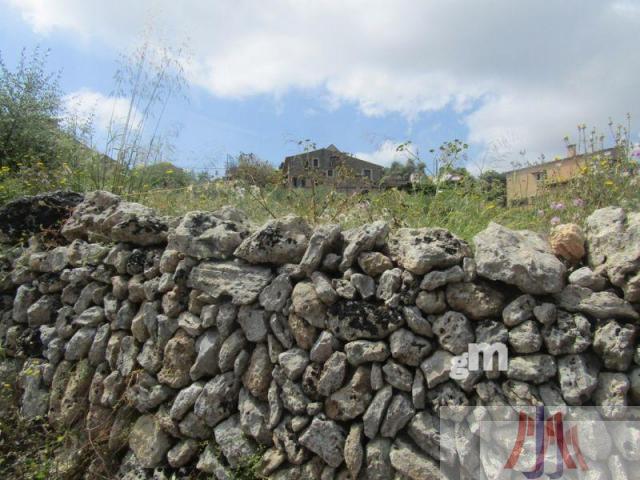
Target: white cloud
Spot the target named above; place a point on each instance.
(385, 154)
(528, 69)
(102, 111)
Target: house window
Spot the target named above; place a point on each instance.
(540, 176)
(316, 163)
(330, 173)
(302, 183)
(295, 182)
(366, 173)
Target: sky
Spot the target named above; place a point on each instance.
(510, 78)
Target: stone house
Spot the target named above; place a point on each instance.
(525, 183)
(330, 166)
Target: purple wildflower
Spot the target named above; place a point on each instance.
(555, 220)
(578, 202)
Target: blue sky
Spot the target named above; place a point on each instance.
(506, 77)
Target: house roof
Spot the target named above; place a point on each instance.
(334, 149)
(605, 151)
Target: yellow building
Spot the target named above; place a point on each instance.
(525, 183)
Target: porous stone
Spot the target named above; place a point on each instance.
(351, 400)
(235, 446)
(408, 461)
(333, 374)
(436, 368)
(408, 348)
(420, 250)
(475, 300)
(398, 376)
(569, 334)
(149, 442)
(519, 310)
(610, 396)
(205, 235)
(399, 412)
(321, 241)
(612, 237)
(578, 377)
(364, 351)
(104, 216)
(585, 277)
(601, 305)
(537, 368)
(243, 283)
(431, 303)
(454, 332)
(440, 278)
(307, 304)
(179, 354)
(352, 320)
(278, 242)
(520, 258)
(614, 343)
(274, 296)
(326, 439)
(525, 337)
(218, 399)
(362, 239)
(364, 285)
(374, 263)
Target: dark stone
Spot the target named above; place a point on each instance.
(25, 216)
(353, 320)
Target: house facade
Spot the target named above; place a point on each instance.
(329, 166)
(525, 183)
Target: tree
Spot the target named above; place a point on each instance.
(30, 105)
(249, 168)
(493, 185)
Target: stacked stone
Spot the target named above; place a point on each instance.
(327, 352)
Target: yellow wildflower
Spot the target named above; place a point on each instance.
(608, 183)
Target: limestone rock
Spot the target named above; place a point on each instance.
(374, 263)
(179, 354)
(321, 241)
(307, 304)
(350, 401)
(585, 277)
(353, 451)
(362, 239)
(104, 216)
(614, 344)
(149, 442)
(218, 399)
(243, 283)
(279, 241)
(235, 446)
(274, 296)
(598, 304)
(475, 300)
(326, 439)
(420, 250)
(613, 236)
(205, 235)
(454, 332)
(352, 320)
(537, 368)
(567, 241)
(411, 463)
(578, 377)
(518, 258)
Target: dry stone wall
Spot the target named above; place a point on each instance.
(204, 341)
